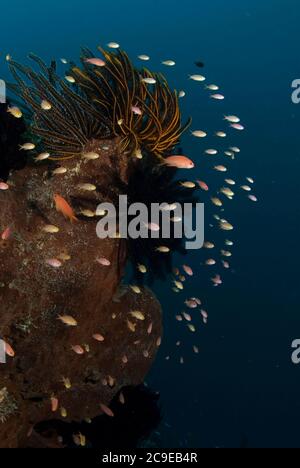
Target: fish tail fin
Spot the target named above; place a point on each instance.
(74, 219)
(161, 161)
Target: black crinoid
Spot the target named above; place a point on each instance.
(11, 131)
(92, 103)
(153, 184)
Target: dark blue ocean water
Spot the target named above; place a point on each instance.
(242, 389)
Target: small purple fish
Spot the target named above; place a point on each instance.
(217, 280)
(237, 126)
(96, 61)
(103, 261)
(4, 186)
(6, 234)
(191, 304)
(152, 227)
(188, 270)
(196, 299)
(204, 314)
(218, 97)
(136, 110)
(54, 263)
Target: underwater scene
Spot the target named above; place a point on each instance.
(149, 226)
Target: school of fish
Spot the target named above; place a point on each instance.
(214, 259)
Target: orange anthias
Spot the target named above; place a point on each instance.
(62, 206)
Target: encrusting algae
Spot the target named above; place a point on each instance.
(8, 405)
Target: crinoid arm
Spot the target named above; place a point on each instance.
(72, 121)
(118, 87)
(98, 104)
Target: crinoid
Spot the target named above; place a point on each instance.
(118, 88)
(97, 104)
(93, 105)
(72, 121)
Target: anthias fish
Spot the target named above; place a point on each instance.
(199, 134)
(46, 105)
(197, 78)
(203, 185)
(15, 112)
(180, 162)
(63, 207)
(95, 61)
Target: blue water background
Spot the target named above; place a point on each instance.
(242, 389)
